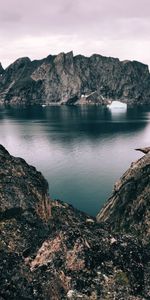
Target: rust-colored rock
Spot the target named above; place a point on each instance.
(67, 254)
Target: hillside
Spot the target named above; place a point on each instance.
(128, 209)
(68, 79)
(51, 251)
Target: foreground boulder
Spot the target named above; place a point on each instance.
(49, 250)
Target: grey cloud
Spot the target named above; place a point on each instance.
(9, 17)
(70, 15)
(86, 19)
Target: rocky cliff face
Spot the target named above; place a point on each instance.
(75, 79)
(1, 70)
(128, 209)
(50, 251)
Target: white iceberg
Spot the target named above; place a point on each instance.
(117, 105)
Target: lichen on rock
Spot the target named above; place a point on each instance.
(128, 209)
(69, 255)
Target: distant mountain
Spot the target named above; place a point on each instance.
(74, 79)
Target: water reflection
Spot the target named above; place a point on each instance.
(80, 150)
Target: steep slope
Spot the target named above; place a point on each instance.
(1, 69)
(128, 209)
(69, 79)
(49, 250)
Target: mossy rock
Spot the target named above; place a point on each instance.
(122, 278)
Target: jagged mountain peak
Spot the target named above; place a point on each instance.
(1, 69)
(63, 78)
(19, 62)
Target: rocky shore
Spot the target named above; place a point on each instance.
(51, 251)
(68, 79)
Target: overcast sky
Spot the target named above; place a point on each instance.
(37, 28)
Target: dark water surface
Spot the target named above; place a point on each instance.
(81, 151)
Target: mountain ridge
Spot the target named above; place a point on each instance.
(69, 79)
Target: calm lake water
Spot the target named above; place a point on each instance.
(81, 151)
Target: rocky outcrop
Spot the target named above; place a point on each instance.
(49, 250)
(1, 69)
(128, 209)
(75, 79)
(21, 186)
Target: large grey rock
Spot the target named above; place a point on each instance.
(66, 79)
(51, 251)
(128, 209)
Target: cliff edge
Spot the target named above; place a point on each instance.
(128, 209)
(51, 251)
(69, 79)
